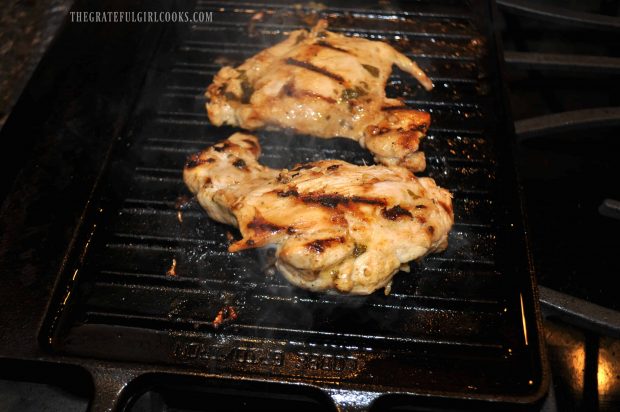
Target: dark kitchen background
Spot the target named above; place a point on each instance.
(562, 61)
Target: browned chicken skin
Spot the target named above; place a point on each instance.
(327, 85)
(335, 226)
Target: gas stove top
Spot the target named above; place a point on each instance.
(567, 117)
(561, 65)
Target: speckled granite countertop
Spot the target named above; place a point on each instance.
(27, 28)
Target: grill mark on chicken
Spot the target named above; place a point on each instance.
(287, 193)
(195, 160)
(308, 93)
(333, 200)
(323, 43)
(260, 225)
(320, 245)
(305, 166)
(289, 90)
(220, 147)
(405, 136)
(395, 213)
(316, 69)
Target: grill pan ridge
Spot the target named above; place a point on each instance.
(149, 271)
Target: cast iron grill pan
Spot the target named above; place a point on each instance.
(463, 324)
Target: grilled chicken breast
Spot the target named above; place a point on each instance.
(335, 226)
(327, 85)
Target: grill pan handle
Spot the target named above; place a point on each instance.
(110, 387)
(110, 393)
(352, 401)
